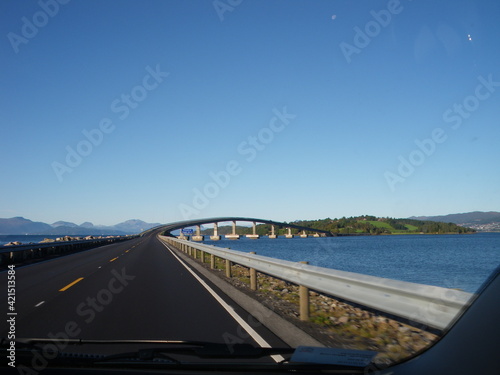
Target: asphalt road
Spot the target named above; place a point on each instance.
(130, 290)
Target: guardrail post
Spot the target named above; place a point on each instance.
(228, 268)
(202, 256)
(253, 276)
(212, 261)
(304, 300)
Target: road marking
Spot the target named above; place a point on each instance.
(39, 303)
(71, 284)
(258, 338)
(111, 260)
(127, 250)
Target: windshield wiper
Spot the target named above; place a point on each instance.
(201, 349)
(163, 355)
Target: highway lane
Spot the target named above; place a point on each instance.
(130, 290)
(38, 283)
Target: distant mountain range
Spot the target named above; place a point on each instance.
(481, 221)
(20, 225)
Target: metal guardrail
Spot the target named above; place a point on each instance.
(19, 253)
(420, 304)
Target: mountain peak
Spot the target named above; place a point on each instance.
(131, 221)
(64, 224)
(135, 226)
(20, 225)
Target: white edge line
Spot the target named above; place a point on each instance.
(39, 303)
(258, 338)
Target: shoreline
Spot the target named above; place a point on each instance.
(48, 238)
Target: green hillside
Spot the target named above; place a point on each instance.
(373, 225)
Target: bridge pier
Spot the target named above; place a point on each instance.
(316, 235)
(216, 236)
(197, 237)
(289, 234)
(253, 236)
(233, 236)
(272, 235)
(303, 234)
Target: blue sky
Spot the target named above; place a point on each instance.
(300, 109)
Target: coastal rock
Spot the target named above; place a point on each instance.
(403, 329)
(343, 319)
(65, 238)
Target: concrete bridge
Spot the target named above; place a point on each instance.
(234, 236)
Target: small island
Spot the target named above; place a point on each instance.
(360, 225)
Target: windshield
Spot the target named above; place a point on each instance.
(218, 177)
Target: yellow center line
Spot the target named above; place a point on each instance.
(71, 284)
(127, 250)
(113, 259)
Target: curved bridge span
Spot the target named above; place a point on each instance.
(168, 228)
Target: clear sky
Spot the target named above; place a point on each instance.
(284, 110)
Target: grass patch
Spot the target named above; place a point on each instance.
(390, 228)
(411, 227)
(382, 224)
(244, 279)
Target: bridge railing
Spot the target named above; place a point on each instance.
(427, 306)
(21, 253)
